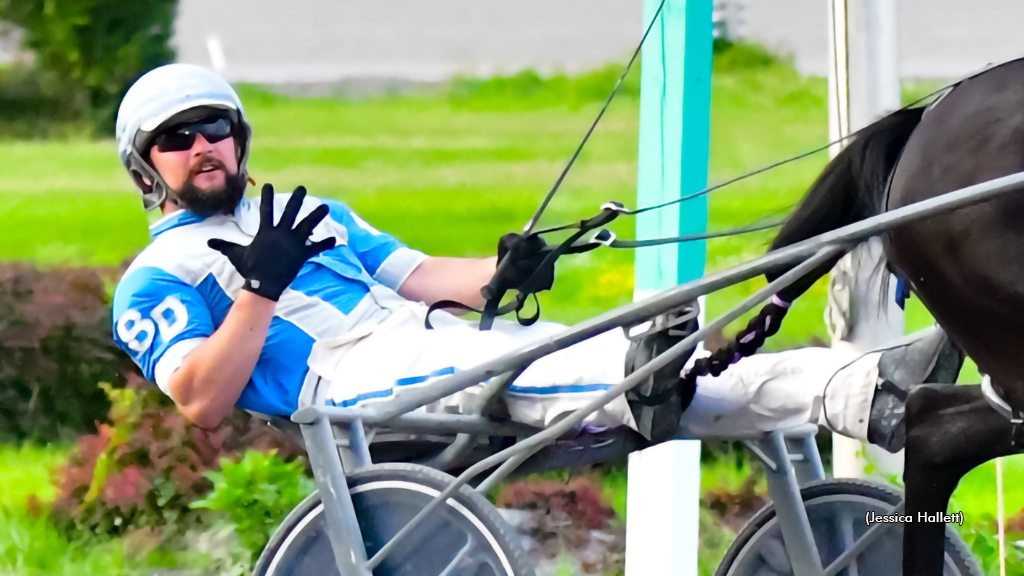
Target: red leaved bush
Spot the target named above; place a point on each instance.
(579, 500)
(735, 508)
(568, 517)
(143, 468)
(55, 344)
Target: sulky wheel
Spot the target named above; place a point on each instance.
(836, 510)
(464, 537)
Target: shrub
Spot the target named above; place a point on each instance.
(26, 97)
(88, 51)
(144, 467)
(734, 506)
(568, 517)
(55, 344)
(731, 56)
(257, 492)
(981, 535)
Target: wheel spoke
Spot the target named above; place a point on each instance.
(873, 533)
(846, 532)
(454, 564)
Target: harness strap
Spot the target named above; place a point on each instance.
(603, 237)
(1017, 430)
(653, 400)
(892, 388)
(516, 306)
(1016, 418)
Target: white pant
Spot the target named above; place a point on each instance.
(757, 394)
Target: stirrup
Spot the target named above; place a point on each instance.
(655, 337)
(889, 386)
(659, 402)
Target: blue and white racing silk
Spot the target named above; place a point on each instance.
(178, 291)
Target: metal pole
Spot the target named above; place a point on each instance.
(864, 84)
(784, 489)
(339, 512)
(663, 491)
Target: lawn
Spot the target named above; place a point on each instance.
(446, 173)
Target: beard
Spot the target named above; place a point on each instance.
(222, 200)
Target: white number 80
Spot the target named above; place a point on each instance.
(138, 332)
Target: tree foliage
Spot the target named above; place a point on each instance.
(87, 52)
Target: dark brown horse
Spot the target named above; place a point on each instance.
(967, 267)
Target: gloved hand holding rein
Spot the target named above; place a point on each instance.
(527, 254)
(276, 254)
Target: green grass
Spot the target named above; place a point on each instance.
(29, 543)
(976, 495)
(31, 546)
(25, 471)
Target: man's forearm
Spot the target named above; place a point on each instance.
(210, 380)
(458, 279)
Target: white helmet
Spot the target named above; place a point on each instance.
(172, 93)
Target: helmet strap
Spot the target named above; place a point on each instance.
(148, 180)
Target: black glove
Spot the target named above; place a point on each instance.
(760, 328)
(276, 254)
(527, 254)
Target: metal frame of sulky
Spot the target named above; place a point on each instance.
(336, 438)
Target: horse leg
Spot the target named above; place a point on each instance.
(950, 431)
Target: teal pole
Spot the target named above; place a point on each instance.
(663, 491)
(675, 107)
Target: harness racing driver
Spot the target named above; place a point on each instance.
(278, 302)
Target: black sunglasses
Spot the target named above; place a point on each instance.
(183, 136)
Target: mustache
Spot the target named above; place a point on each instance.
(203, 163)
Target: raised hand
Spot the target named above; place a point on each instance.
(276, 254)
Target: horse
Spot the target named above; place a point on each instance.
(966, 267)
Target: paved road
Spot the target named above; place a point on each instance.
(938, 38)
(327, 40)
(316, 41)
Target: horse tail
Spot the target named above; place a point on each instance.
(852, 187)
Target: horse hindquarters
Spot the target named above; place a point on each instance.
(968, 266)
(968, 269)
